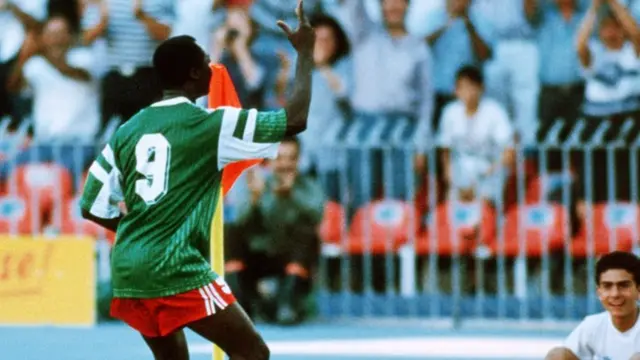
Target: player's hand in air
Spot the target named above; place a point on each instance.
(303, 38)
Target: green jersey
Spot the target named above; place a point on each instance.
(166, 165)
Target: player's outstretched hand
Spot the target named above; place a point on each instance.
(304, 37)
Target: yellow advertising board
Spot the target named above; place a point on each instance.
(46, 281)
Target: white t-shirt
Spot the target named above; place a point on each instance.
(596, 338)
(613, 80)
(64, 108)
(477, 142)
(195, 18)
(12, 32)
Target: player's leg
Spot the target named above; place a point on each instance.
(232, 330)
(560, 353)
(170, 347)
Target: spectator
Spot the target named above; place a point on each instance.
(400, 93)
(612, 69)
(252, 74)
(330, 105)
(275, 234)
(458, 37)
(512, 73)
(562, 91)
(134, 30)
(611, 64)
(477, 137)
(198, 18)
(17, 20)
(63, 78)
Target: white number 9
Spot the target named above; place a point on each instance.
(153, 155)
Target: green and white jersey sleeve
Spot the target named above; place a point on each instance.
(102, 190)
(249, 134)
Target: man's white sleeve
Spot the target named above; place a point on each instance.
(578, 342)
(102, 190)
(249, 134)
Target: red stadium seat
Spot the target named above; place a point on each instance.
(74, 224)
(381, 226)
(17, 217)
(538, 225)
(613, 226)
(333, 221)
(457, 228)
(48, 183)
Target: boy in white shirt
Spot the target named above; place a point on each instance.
(615, 333)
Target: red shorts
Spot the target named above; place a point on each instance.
(162, 316)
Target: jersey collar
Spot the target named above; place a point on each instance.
(171, 102)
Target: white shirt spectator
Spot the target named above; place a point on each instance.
(597, 338)
(613, 80)
(197, 19)
(12, 33)
(475, 142)
(64, 109)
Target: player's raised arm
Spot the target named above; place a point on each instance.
(303, 40)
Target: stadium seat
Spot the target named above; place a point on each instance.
(74, 224)
(48, 183)
(333, 221)
(381, 226)
(541, 227)
(17, 217)
(614, 227)
(457, 228)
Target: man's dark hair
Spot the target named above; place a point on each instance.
(174, 59)
(342, 41)
(67, 9)
(471, 73)
(619, 260)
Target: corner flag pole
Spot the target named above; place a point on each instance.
(217, 253)
(223, 93)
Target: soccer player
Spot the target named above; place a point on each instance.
(165, 163)
(615, 333)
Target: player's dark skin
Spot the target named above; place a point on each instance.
(232, 329)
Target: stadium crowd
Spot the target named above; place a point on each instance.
(477, 79)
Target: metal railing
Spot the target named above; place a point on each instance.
(393, 243)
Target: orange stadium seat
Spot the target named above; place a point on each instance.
(17, 217)
(457, 228)
(381, 226)
(333, 222)
(614, 227)
(48, 183)
(538, 224)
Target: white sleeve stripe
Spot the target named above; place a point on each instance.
(250, 128)
(108, 155)
(100, 173)
(229, 120)
(102, 207)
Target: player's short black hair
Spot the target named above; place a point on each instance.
(174, 59)
(472, 73)
(619, 260)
